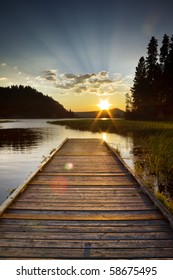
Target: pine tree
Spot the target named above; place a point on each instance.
(151, 60)
(164, 51)
(129, 107)
(153, 76)
(152, 91)
(139, 89)
(169, 76)
(164, 84)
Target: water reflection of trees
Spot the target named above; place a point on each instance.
(19, 138)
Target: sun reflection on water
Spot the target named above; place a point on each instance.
(104, 136)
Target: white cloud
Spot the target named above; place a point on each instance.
(3, 79)
(100, 83)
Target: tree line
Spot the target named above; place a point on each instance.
(151, 96)
(27, 102)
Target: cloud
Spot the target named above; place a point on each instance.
(3, 79)
(75, 79)
(104, 74)
(3, 64)
(69, 76)
(50, 75)
(100, 83)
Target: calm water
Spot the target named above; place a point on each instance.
(25, 144)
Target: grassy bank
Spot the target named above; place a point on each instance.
(122, 127)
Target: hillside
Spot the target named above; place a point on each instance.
(114, 113)
(26, 102)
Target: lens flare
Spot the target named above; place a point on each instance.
(60, 185)
(68, 166)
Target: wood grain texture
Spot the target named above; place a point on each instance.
(84, 203)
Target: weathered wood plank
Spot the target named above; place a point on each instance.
(69, 191)
(67, 181)
(96, 223)
(83, 178)
(66, 192)
(88, 188)
(61, 196)
(88, 235)
(84, 199)
(81, 216)
(81, 187)
(96, 160)
(82, 170)
(47, 227)
(84, 174)
(110, 193)
(40, 206)
(82, 244)
(106, 191)
(155, 253)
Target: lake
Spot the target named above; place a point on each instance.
(25, 144)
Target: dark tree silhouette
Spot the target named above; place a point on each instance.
(164, 52)
(27, 102)
(169, 79)
(152, 91)
(139, 97)
(153, 72)
(151, 59)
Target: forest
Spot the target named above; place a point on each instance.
(26, 102)
(151, 96)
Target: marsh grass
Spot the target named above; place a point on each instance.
(166, 201)
(115, 126)
(159, 154)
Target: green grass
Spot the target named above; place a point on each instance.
(159, 153)
(166, 201)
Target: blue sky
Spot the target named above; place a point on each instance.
(78, 51)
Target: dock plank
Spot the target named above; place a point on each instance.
(86, 253)
(78, 244)
(52, 215)
(47, 227)
(84, 203)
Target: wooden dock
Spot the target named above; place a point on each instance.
(83, 203)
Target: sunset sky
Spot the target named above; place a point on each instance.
(79, 51)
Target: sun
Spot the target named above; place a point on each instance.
(104, 104)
